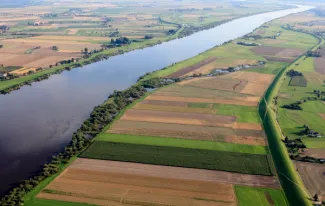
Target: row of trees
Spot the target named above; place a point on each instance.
(292, 73)
(101, 116)
(293, 106)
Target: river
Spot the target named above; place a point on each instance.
(37, 121)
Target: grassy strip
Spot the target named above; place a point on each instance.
(290, 180)
(183, 143)
(180, 157)
(45, 202)
(254, 196)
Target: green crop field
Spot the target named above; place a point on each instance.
(243, 113)
(269, 68)
(298, 81)
(44, 202)
(253, 196)
(180, 157)
(183, 143)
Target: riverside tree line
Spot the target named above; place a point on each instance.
(100, 117)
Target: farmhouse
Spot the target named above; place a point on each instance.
(312, 133)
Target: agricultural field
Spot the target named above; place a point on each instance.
(181, 141)
(120, 183)
(313, 177)
(303, 121)
(43, 34)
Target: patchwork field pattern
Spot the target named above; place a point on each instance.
(319, 65)
(103, 182)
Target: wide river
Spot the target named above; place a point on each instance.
(37, 121)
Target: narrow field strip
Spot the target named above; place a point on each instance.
(181, 157)
(183, 143)
(244, 102)
(174, 109)
(182, 130)
(252, 196)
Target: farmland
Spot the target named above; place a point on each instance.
(46, 35)
(259, 196)
(130, 183)
(179, 143)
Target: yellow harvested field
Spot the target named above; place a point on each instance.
(244, 101)
(23, 70)
(46, 61)
(5, 19)
(104, 182)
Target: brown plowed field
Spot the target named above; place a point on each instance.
(290, 52)
(191, 68)
(254, 88)
(174, 109)
(279, 59)
(251, 77)
(179, 118)
(180, 130)
(267, 50)
(246, 140)
(315, 152)
(104, 182)
(320, 65)
(252, 126)
(313, 176)
(217, 83)
(202, 100)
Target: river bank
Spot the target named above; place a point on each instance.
(34, 109)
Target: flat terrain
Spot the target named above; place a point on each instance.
(313, 176)
(248, 196)
(104, 182)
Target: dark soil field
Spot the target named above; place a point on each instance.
(279, 59)
(191, 68)
(181, 157)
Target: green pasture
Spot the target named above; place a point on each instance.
(243, 113)
(181, 157)
(269, 68)
(183, 143)
(45, 202)
(254, 196)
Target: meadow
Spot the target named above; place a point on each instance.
(248, 196)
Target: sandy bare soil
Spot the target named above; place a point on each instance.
(313, 176)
